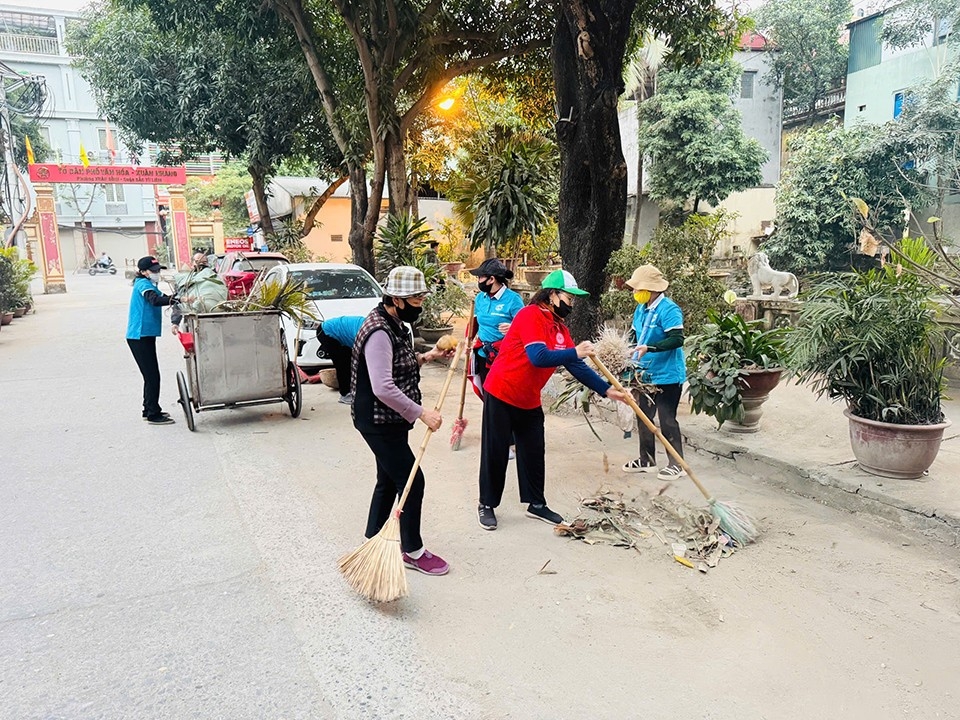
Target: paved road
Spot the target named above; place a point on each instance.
(149, 572)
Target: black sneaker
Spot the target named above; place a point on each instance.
(488, 521)
(161, 420)
(542, 512)
(162, 414)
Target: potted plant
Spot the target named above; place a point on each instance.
(439, 309)
(871, 339)
(8, 290)
(732, 366)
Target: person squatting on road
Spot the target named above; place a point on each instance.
(143, 328)
(658, 332)
(536, 344)
(386, 403)
(494, 309)
(337, 336)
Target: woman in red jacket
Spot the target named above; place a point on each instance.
(536, 344)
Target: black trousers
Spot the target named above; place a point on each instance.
(664, 404)
(340, 355)
(394, 460)
(504, 424)
(480, 365)
(145, 353)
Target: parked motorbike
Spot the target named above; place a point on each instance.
(98, 269)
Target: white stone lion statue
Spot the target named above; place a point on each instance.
(762, 275)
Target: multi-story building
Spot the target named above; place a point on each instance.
(122, 220)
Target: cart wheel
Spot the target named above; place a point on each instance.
(294, 396)
(185, 401)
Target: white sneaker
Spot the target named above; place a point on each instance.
(346, 399)
(636, 466)
(670, 472)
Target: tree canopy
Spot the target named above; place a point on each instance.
(808, 59)
(693, 134)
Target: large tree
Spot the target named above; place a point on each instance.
(808, 59)
(692, 132)
(589, 46)
(201, 90)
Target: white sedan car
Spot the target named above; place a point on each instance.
(336, 289)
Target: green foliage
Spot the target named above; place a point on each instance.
(401, 240)
(871, 339)
(22, 127)
(815, 228)
(225, 189)
(288, 239)
(506, 188)
(809, 59)
(693, 133)
(908, 24)
(624, 261)
(683, 253)
(718, 358)
(617, 305)
(15, 276)
(443, 304)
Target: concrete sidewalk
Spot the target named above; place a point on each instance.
(803, 446)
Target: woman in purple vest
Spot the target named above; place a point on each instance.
(385, 375)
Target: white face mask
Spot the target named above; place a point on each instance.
(155, 278)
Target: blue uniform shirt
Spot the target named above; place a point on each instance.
(491, 310)
(651, 326)
(343, 329)
(144, 319)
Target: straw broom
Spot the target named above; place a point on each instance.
(375, 569)
(733, 521)
(460, 424)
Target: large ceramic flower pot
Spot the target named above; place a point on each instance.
(431, 335)
(19, 312)
(6, 318)
(894, 451)
(453, 268)
(755, 388)
(535, 275)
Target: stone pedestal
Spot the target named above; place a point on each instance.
(773, 312)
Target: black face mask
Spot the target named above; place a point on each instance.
(408, 313)
(486, 286)
(563, 309)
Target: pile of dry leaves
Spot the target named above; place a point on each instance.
(692, 534)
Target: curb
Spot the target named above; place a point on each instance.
(839, 486)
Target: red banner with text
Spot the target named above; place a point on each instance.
(107, 174)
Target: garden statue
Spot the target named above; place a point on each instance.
(762, 275)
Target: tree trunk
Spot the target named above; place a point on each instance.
(360, 245)
(310, 219)
(588, 55)
(400, 202)
(259, 177)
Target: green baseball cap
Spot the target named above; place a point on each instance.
(562, 280)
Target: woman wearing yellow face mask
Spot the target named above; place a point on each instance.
(658, 331)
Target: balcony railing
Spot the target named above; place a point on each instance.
(34, 44)
(831, 102)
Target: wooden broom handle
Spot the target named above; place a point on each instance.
(426, 436)
(650, 426)
(466, 364)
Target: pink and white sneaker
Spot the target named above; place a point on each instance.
(428, 564)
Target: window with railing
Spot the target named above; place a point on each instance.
(116, 202)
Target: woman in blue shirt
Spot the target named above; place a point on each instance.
(143, 329)
(658, 331)
(494, 309)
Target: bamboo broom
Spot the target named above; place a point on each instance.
(460, 424)
(375, 569)
(733, 521)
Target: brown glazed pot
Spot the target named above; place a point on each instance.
(894, 451)
(6, 318)
(755, 388)
(20, 312)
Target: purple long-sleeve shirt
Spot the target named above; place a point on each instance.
(379, 356)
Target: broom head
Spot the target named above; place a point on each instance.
(735, 522)
(457, 435)
(375, 569)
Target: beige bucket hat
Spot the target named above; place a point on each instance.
(648, 277)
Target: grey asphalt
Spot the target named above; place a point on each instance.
(149, 572)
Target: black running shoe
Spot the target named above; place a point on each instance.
(488, 521)
(542, 512)
(161, 420)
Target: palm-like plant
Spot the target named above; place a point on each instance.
(400, 241)
(871, 338)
